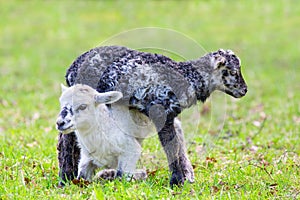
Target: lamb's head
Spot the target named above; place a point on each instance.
(78, 107)
(226, 75)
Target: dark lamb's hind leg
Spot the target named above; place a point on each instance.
(173, 144)
(68, 157)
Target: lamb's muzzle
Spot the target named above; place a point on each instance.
(64, 121)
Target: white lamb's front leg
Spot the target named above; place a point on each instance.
(86, 168)
(127, 166)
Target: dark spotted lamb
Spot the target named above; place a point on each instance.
(156, 86)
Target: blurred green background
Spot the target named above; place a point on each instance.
(40, 39)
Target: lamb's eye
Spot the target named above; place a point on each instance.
(82, 107)
(233, 72)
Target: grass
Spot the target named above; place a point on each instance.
(241, 149)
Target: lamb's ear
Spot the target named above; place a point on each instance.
(219, 61)
(108, 97)
(218, 58)
(63, 88)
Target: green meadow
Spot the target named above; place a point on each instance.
(244, 148)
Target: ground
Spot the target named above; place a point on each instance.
(240, 149)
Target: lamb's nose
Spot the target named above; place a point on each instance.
(245, 90)
(60, 123)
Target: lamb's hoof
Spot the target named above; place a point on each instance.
(140, 175)
(106, 174)
(179, 178)
(176, 179)
(61, 184)
(188, 173)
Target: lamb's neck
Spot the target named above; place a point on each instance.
(198, 72)
(84, 133)
(94, 126)
(89, 136)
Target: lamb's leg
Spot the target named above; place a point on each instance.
(106, 174)
(127, 163)
(140, 174)
(68, 157)
(86, 168)
(111, 174)
(126, 166)
(173, 144)
(187, 167)
(161, 105)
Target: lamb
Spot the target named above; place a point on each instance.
(158, 87)
(103, 141)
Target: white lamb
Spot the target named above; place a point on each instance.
(102, 136)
